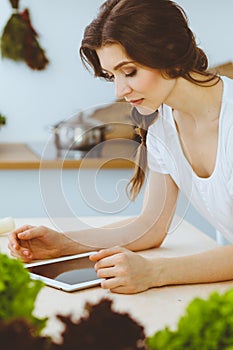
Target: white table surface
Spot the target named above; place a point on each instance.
(154, 308)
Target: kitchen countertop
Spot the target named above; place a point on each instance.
(154, 308)
(111, 155)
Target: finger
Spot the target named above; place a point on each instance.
(14, 236)
(111, 283)
(107, 272)
(116, 285)
(105, 262)
(22, 255)
(13, 241)
(22, 229)
(103, 253)
(29, 233)
(15, 247)
(19, 251)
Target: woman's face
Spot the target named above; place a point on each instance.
(144, 88)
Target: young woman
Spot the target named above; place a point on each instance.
(147, 49)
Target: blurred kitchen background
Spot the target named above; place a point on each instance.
(34, 100)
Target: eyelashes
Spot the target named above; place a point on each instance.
(106, 76)
(110, 77)
(131, 74)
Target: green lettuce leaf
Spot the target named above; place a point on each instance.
(206, 325)
(18, 292)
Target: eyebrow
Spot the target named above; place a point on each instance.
(119, 65)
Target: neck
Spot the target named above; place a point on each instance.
(199, 103)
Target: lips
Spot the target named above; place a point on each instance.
(136, 102)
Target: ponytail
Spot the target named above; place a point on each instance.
(142, 123)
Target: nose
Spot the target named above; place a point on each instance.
(122, 89)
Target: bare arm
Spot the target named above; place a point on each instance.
(142, 232)
(145, 231)
(127, 272)
(211, 266)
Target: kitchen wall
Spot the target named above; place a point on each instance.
(34, 100)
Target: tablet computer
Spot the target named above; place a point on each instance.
(68, 273)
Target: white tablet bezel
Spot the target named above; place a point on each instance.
(61, 285)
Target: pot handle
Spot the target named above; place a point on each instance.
(52, 128)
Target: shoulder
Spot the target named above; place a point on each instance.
(227, 90)
(162, 133)
(164, 118)
(226, 114)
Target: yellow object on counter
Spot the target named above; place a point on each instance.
(6, 225)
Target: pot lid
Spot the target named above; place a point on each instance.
(82, 121)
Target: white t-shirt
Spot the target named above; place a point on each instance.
(212, 196)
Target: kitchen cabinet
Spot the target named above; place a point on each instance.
(54, 187)
(34, 193)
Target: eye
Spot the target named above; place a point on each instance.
(131, 74)
(107, 76)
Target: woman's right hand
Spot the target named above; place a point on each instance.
(38, 242)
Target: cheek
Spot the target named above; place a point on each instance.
(156, 91)
(150, 81)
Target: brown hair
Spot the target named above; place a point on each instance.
(154, 33)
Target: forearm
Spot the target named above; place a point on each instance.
(210, 266)
(135, 233)
(145, 231)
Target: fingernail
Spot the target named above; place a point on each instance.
(26, 252)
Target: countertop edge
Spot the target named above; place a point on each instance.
(18, 156)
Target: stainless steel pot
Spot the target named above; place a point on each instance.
(79, 133)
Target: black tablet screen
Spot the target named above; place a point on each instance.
(73, 271)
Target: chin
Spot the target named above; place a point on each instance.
(145, 110)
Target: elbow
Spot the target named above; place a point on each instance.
(156, 241)
(158, 237)
(156, 244)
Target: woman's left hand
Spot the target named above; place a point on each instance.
(123, 270)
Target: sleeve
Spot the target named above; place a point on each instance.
(155, 152)
(229, 161)
(230, 184)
